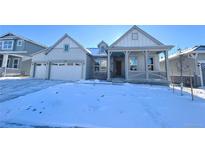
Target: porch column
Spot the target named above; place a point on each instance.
(146, 67)
(166, 64)
(4, 63)
(108, 66)
(126, 64)
(34, 70)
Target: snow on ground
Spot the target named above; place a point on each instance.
(13, 87)
(84, 104)
(199, 92)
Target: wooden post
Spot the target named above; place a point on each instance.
(192, 94)
(146, 67)
(126, 64)
(166, 64)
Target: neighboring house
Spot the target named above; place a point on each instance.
(15, 54)
(133, 57)
(188, 63)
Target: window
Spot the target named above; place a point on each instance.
(97, 66)
(151, 64)
(8, 45)
(100, 65)
(133, 63)
(135, 36)
(1, 43)
(66, 47)
(15, 63)
(19, 42)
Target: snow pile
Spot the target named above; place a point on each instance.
(103, 105)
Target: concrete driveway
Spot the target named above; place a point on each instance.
(14, 87)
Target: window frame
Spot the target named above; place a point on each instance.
(133, 65)
(99, 65)
(20, 44)
(12, 45)
(17, 63)
(135, 36)
(150, 65)
(64, 47)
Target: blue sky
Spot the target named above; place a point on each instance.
(90, 36)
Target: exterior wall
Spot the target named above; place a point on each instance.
(31, 48)
(142, 40)
(201, 56)
(89, 67)
(25, 67)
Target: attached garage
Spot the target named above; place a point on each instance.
(65, 60)
(40, 70)
(71, 71)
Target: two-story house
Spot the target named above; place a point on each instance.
(15, 54)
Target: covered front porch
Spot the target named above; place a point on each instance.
(137, 65)
(9, 65)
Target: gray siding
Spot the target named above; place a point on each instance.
(89, 67)
(31, 48)
(25, 67)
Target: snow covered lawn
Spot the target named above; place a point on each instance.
(13, 87)
(103, 105)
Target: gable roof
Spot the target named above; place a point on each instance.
(12, 35)
(61, 39)
(187, 51)
(102, 42)
(141, 31)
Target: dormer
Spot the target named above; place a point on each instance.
(102, 46)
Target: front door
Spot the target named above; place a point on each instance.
(118, 68)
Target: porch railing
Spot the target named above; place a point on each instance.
(152, 75)
(157, 75)
(9, 71)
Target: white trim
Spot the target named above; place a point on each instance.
(20, 44)
(8, 48)
(12, 52)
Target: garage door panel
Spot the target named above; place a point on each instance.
(40, 71)
(66, 71)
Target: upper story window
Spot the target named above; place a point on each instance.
(133, 63)
(134, 36)
(8, 45)
(66, 47)
(19, 42)
(151, 64)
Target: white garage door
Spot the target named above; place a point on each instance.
(40, 72)
(66, 71)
